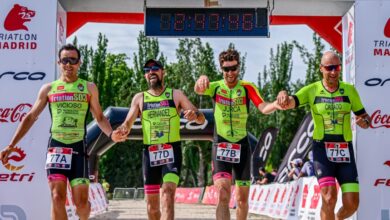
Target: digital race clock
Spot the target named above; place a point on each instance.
(206, 22)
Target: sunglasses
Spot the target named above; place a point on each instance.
(70, 60)
(152, 68)
(332, 67)
(229, 68)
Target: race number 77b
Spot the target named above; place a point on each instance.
(228, 152)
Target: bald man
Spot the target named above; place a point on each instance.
(331, 102)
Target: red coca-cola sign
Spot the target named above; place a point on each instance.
(16, 114)
(380, 120)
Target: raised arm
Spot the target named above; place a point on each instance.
(29, 120)
(191, 113)
(96, 110)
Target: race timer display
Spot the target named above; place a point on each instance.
(206, 22)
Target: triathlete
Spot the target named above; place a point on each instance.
(331, 102)
(231, 150)
(160, 109)
(70, 99)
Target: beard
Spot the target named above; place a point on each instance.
(155, 85)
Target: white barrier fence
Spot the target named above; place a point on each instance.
(97, 199)
(300, 199)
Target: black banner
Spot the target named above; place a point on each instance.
(262, 150)
(299, 147)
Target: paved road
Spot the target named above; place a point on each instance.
(136, 210)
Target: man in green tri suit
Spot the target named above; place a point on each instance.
(331, 102)
(70, 98)
(160, 109)
(231, 150)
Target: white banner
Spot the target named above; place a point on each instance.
(27, 54)
(372, 37)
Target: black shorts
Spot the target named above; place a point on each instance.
(324, 168)
(222, 169)
(153, 175)
(79, 165)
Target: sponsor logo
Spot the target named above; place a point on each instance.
(379, 120)
(155, 105)
(386, 30)
(16, 114)
(12, 211)
(184, 124)
(17, 22)
(239, 92)
(80, 87)
(14, 164)
(17, 17)
(350, 33)
(377, 82)
(383, 181)
(267, 144)
(381, 47)
(23, 75)
(69, 97)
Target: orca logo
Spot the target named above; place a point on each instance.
(12, 212)
(376, 82)
(23, 75)
(267, 144)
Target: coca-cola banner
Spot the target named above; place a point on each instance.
(299, 147)
(372, 37)
(299, 199)
(262, 150)
(27, 54)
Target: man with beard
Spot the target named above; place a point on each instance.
(160, 109)
(231, 149)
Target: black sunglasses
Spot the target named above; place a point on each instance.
(70, 60)
(336, 67)
(229, 68)
(152, 68)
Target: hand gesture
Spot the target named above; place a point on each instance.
(120, 134)
(283, 99)
(203, 83)
(190, 115)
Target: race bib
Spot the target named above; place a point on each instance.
(161, 154)
(228, 152)
(59, 158)
(337, 152)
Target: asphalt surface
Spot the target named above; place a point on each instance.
(136, 210)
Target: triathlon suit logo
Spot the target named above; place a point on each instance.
(387, 29)
(17, 17)
(16, 155)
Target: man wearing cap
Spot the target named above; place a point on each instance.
(160, 109)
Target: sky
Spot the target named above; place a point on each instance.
(122, 38)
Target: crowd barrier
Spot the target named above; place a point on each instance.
(299, 199)
(97, 198)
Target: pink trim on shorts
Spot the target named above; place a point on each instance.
(327, 181)
(222, 175)
(56, 177)
(152, 189)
